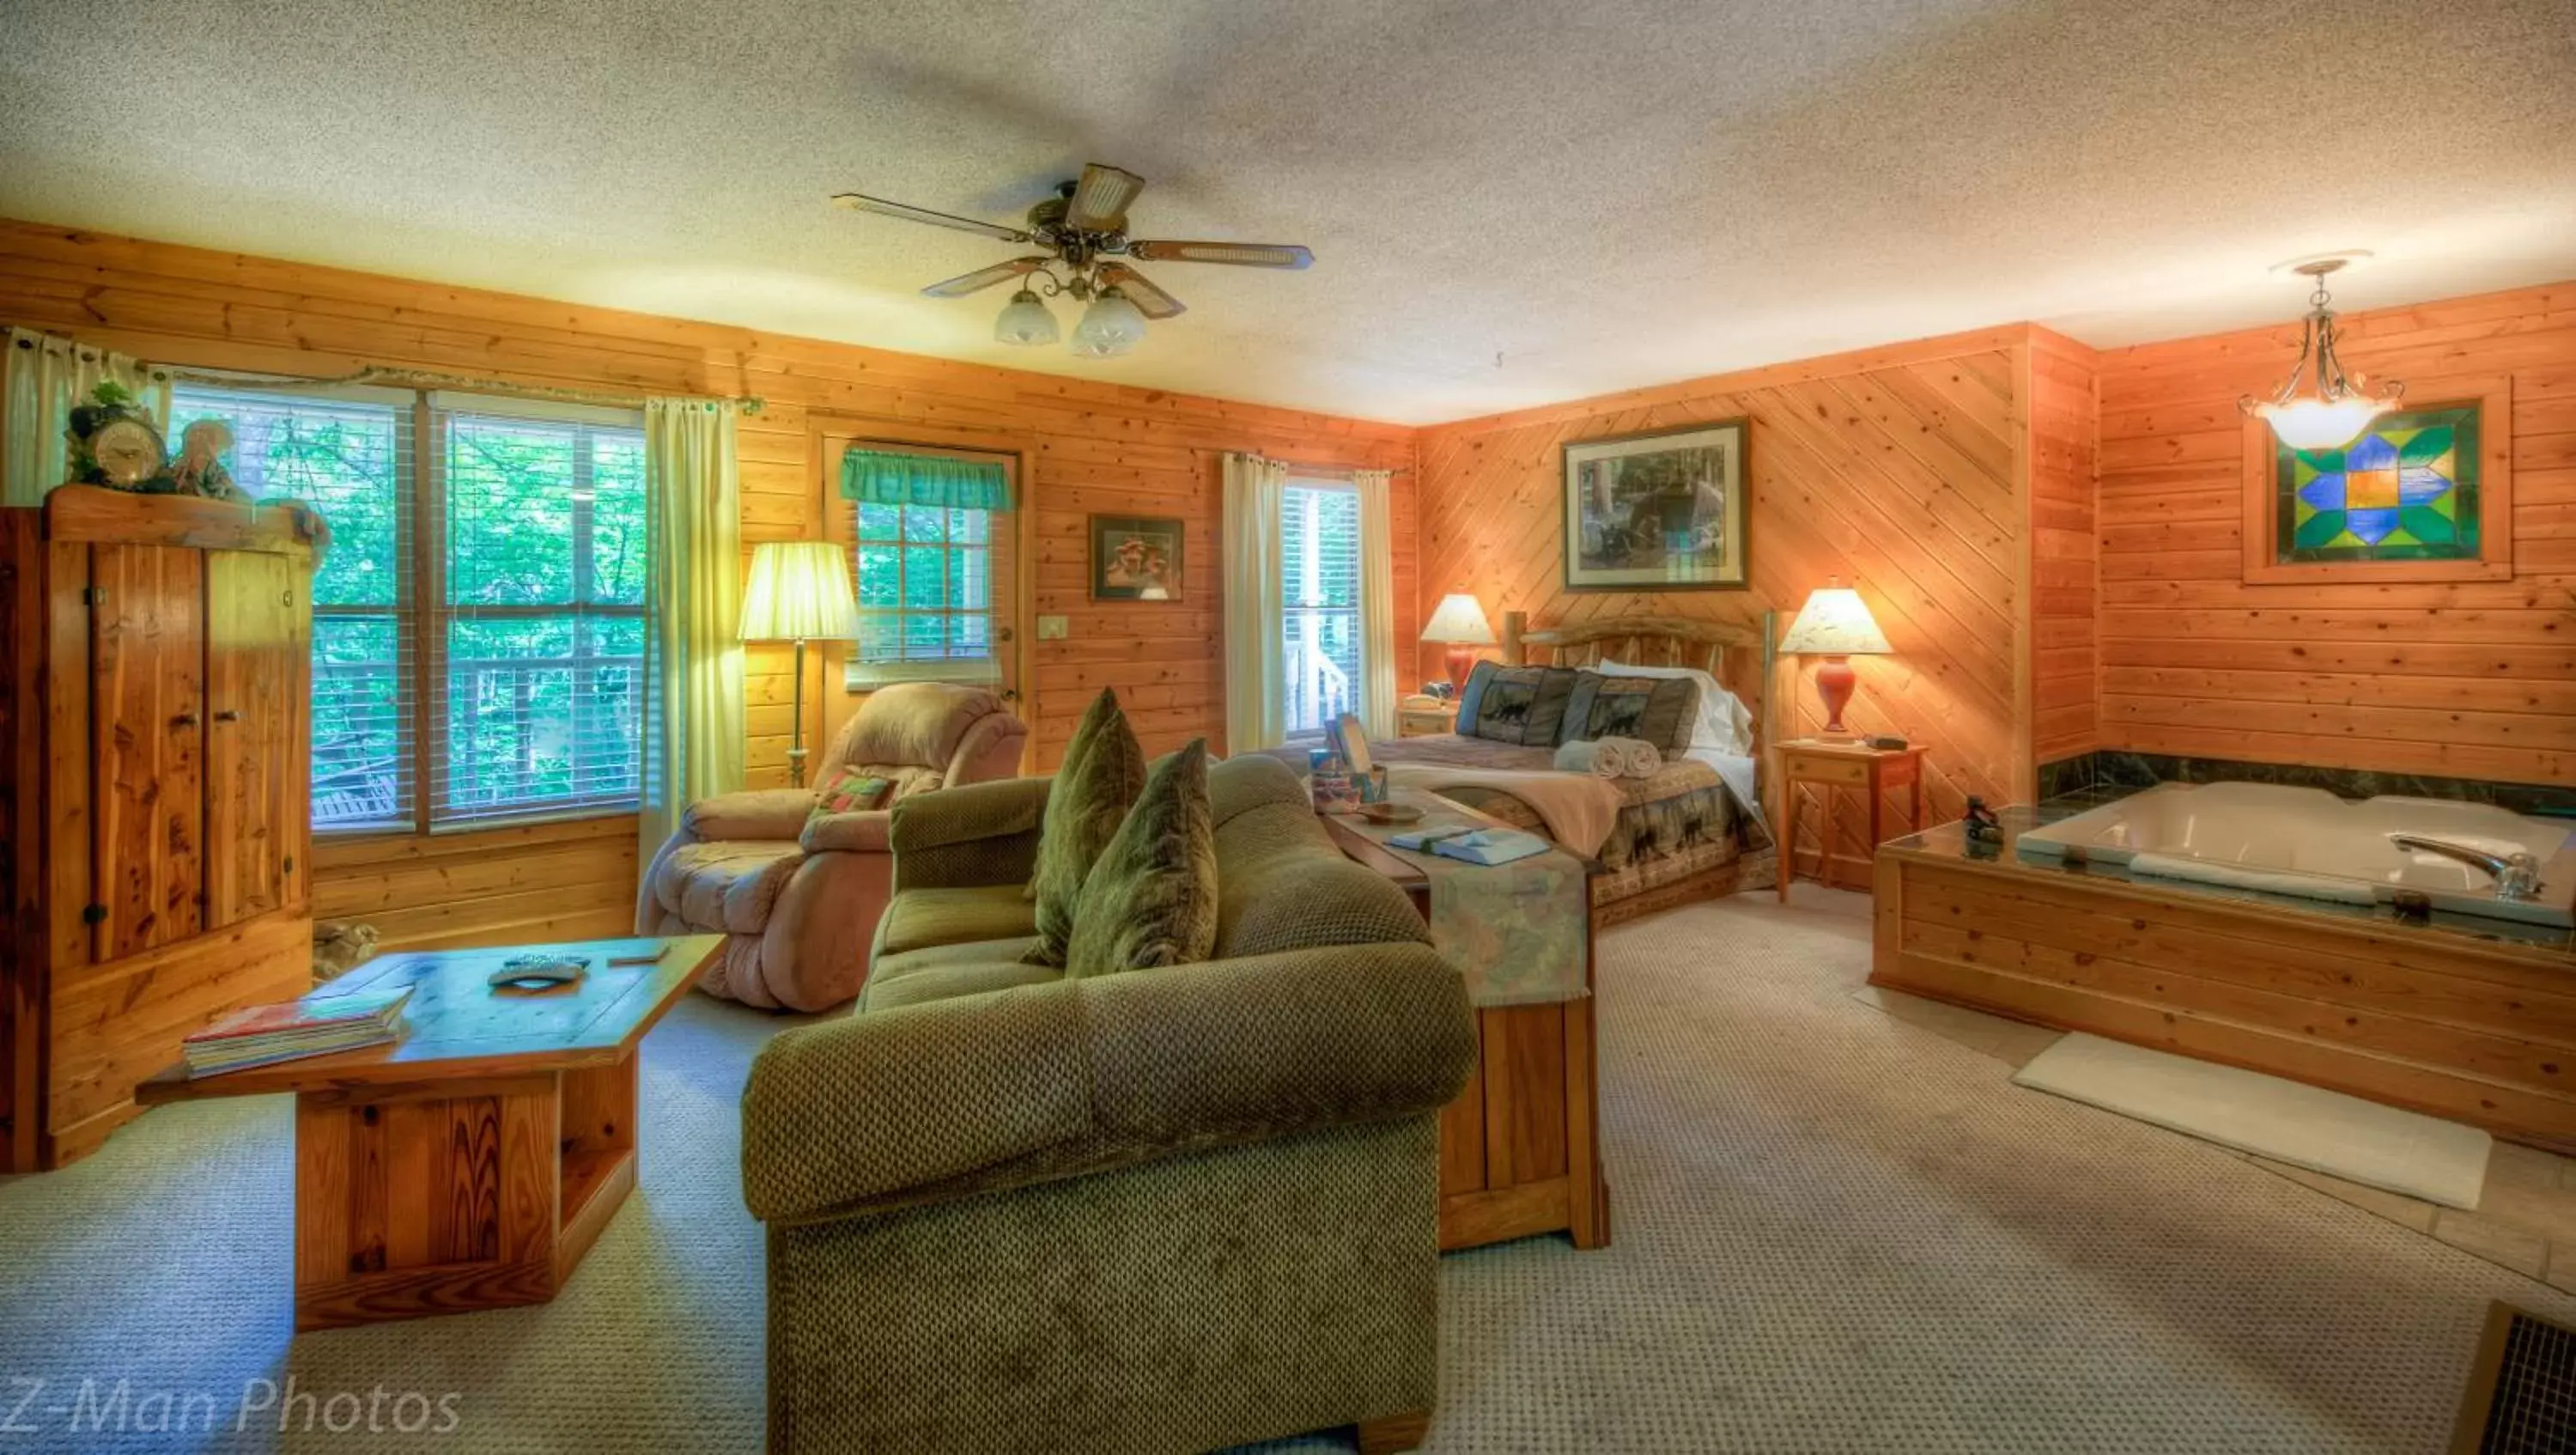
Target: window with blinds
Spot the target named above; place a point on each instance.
(1319, 593)
(478, 636)
(929, 577)
(539, 620)
(348, 453)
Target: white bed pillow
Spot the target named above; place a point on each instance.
(1725, 724)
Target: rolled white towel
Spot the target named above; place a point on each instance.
(1637, 758)
(1584, 755)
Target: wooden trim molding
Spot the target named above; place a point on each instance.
(2493, 394)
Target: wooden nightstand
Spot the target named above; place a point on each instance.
(1842, 765)
(1422, 722)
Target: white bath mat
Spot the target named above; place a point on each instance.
(2287, 1121)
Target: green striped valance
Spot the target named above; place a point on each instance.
(880, 477)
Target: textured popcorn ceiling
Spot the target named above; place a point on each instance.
(1602, 194)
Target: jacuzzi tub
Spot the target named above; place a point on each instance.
(2307, 841)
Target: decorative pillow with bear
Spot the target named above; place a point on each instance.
(1102, 772)
(1519, 705)
(1661, 711)
(1151, 900)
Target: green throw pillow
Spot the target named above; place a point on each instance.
(1151, 900)
(1102, 772)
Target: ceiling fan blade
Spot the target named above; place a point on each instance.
(859, 202)
(1150, 301)
(1101, 198)
(1241, 255)
(981, 278)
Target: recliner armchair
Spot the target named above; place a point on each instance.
(796, 895)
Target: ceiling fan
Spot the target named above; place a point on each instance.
(1083, 229)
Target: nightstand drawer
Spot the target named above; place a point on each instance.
(1851, 772)
(1416, 724)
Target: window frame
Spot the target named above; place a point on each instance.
(1005, 543)
(421, 612)
(1335, 485)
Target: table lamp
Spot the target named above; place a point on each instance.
(799, 592)
(1835, 625)
(1459, 624)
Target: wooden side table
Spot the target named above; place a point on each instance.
(1842, 765)
(1422, 722)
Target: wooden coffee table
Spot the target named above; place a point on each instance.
(471, 1164)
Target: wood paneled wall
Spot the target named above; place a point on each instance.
(2064, 549)
(1903, 470)
(1089, 447)
(2473, 679)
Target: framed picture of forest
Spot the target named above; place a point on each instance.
(2423, 493)
(1661, 511)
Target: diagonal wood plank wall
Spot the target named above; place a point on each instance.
(2473, 679)
(1902, 470)
(1092, 447)
(2064, 549)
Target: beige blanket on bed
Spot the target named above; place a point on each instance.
(1577, 808)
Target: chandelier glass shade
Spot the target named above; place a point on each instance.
(1025, 321)
(1110, 326)
(2321, 406)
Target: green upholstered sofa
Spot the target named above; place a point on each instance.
(1165, 1210)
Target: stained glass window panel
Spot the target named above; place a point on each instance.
(2405, 490)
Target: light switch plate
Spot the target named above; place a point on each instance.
(1052, 628)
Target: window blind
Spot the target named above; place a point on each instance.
(928, 576)
(348, 453)
(1319, 569)
(536, 619)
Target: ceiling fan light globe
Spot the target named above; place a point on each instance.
(1025, 322)
(1110, 326)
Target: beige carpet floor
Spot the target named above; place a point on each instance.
(1834, 1231)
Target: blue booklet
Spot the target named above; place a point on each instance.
(1473, 846)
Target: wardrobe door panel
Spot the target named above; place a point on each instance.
(147, 725)
(256, 667)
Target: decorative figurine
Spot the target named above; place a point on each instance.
(1983, 826)
(201, 463)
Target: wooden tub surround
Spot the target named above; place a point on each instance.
(2469, 1019)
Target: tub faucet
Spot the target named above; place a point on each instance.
(2517, 875)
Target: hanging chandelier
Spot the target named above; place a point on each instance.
(2320, 406)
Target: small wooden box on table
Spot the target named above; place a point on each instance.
(1520, 1148)
(1826, 766)
(471, 1164)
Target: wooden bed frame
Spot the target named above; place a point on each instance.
(1736, 656)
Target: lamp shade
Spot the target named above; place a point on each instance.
(1834, 623)
(1459, 621)
(799, 591)
(1110, 326)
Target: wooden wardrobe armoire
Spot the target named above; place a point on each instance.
(155, 813)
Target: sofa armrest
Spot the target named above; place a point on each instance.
(974, 834)
(862, 831)
(954, 1098)
(758, 813)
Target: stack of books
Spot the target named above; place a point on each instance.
(261, 1035)
(1473, 845)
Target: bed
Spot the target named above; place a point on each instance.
(1693, 831)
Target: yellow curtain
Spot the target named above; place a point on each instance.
(1377, 603)
(1255, 661)
(693, 674)
(45, 376)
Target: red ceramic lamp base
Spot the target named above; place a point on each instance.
(1462, 660)
(1834, 683)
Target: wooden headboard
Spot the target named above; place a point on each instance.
(1732, 654)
